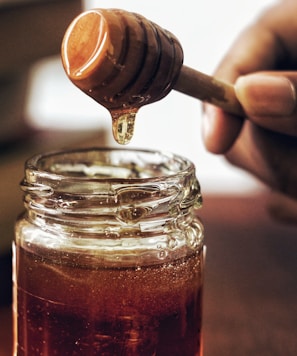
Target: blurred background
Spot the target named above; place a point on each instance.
(41, 110)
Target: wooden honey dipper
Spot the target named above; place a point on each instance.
(124, 61)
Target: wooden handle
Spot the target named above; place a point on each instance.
(208, 89)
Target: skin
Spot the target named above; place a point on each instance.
(262, 64)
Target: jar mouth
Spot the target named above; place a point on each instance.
(126, 185)
(108, 164)
(113, 193)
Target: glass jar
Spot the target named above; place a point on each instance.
(108, 255)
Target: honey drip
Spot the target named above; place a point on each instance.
(123, 125)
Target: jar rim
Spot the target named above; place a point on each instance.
(162, 165)
(68, 189)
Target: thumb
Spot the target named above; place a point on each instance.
(269, 99)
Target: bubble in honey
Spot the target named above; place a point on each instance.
(123, 126)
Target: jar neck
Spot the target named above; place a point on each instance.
(112, 191)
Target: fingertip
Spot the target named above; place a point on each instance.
(219, 129)
(266, 94)
(210, 117)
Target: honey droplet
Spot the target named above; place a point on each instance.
(123, 126)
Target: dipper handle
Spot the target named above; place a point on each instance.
(208, 89)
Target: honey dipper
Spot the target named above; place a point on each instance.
(124, 61)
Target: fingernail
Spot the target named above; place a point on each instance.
(266, 95)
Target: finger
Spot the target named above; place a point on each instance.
(219, 129)
(269, 99)
(270, 156)
(267, 44)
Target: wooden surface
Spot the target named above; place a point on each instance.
(250, 297)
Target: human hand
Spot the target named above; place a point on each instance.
(261, 65)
